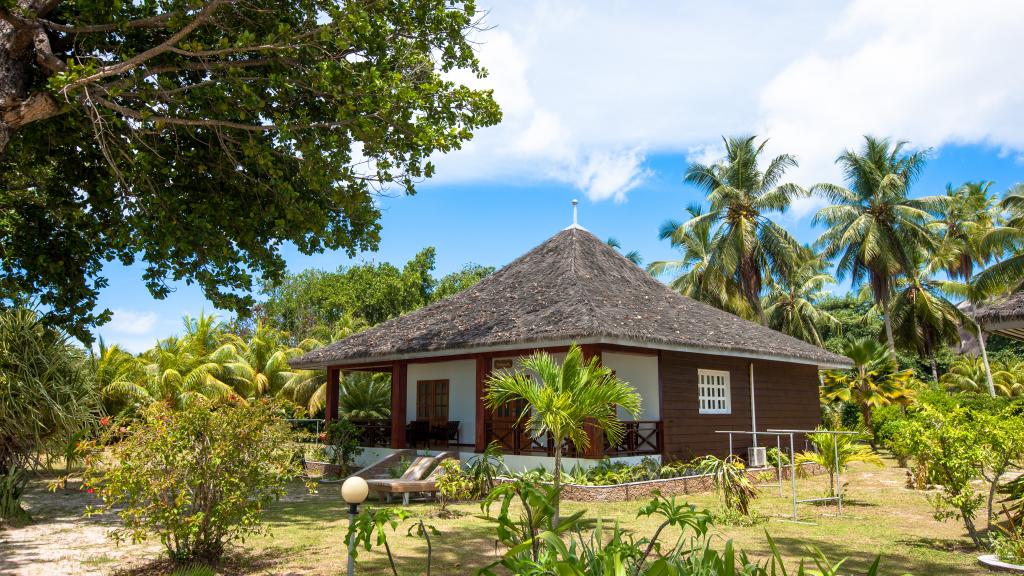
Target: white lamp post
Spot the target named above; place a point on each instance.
(353, 491)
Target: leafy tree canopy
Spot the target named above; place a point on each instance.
(313, 303)
(199, 136)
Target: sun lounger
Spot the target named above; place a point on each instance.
(412, 481)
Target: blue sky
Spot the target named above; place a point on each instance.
(609, 101)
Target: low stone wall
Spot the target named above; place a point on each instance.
(667, 486)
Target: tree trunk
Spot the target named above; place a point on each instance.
(557, 481)
(984, 360)
(24, 53)
(935, 367)
(865, 414)
(888, 327)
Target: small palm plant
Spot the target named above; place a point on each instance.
(563, 398)
(835, 452)
(731, 481)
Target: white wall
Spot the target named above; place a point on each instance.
(461, 376)
(641, 371)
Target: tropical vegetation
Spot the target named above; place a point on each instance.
(565, 399)
(198, 478)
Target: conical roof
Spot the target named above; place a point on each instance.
(571, 288)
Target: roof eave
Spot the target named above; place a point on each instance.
(821, 364)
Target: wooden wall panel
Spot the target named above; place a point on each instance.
(786, 397)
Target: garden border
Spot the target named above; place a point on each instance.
(691, 484)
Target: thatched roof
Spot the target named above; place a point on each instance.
(1005, 316)
(571, 288)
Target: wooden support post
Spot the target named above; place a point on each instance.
(333, 384)
(399, 386)
(596, 448)
(483, 368)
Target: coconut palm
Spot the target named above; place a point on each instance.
(562, 398)
(874, 380)
(118, 374)
(871, 225)
(791, 302)
(699, 278)
(922, 318)
(747, 245)
(963, 222)
(967, 374)
(835, 452)
(203, 363)
(633, 255)
(259, 366)
(1006, 275)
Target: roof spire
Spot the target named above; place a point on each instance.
(575, 221)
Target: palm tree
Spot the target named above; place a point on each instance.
(259, 366)
(874, 380)
(747, 245)
(963, 222)
(633, 255)
(967, 221)
(118, 374)
(699, 278)
(968, 374)
(831, 449)
(563, 398)
(203, 363)
(365, 396)
(923, 319)
(872, 226)
(791, 303)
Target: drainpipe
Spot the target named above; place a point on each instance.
(753, 406)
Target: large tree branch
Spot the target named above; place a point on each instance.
(140, 58)
(207, 122)
(38, 106)
(44, 53)
(159, 21)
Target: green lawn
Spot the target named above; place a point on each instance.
(880, 517)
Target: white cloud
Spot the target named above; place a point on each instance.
(607, 174)
(131, 322)
(590, 90)
(931, 73)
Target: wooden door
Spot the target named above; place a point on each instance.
(503, 425)
(432, 402)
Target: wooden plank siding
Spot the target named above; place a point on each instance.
(786, 397)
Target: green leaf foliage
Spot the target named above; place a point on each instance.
(198, 478)
(199, 137)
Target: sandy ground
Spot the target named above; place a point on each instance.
(61, 541)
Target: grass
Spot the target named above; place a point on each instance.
(880, 516)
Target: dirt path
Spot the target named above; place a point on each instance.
(60, 541)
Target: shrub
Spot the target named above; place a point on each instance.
(484, 468)
(198, 478)
(731, 481)
(452, 483)
(45, 399)
(343, 437)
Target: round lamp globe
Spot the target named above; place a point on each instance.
(354, 490)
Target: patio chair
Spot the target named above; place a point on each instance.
(417, 431)
(412, 481)
(452, 433)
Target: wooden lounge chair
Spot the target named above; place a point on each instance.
(412, 480)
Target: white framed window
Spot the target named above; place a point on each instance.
(713, 395)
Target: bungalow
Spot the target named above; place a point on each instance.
(698, 369)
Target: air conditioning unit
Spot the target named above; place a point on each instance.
(757, 457)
